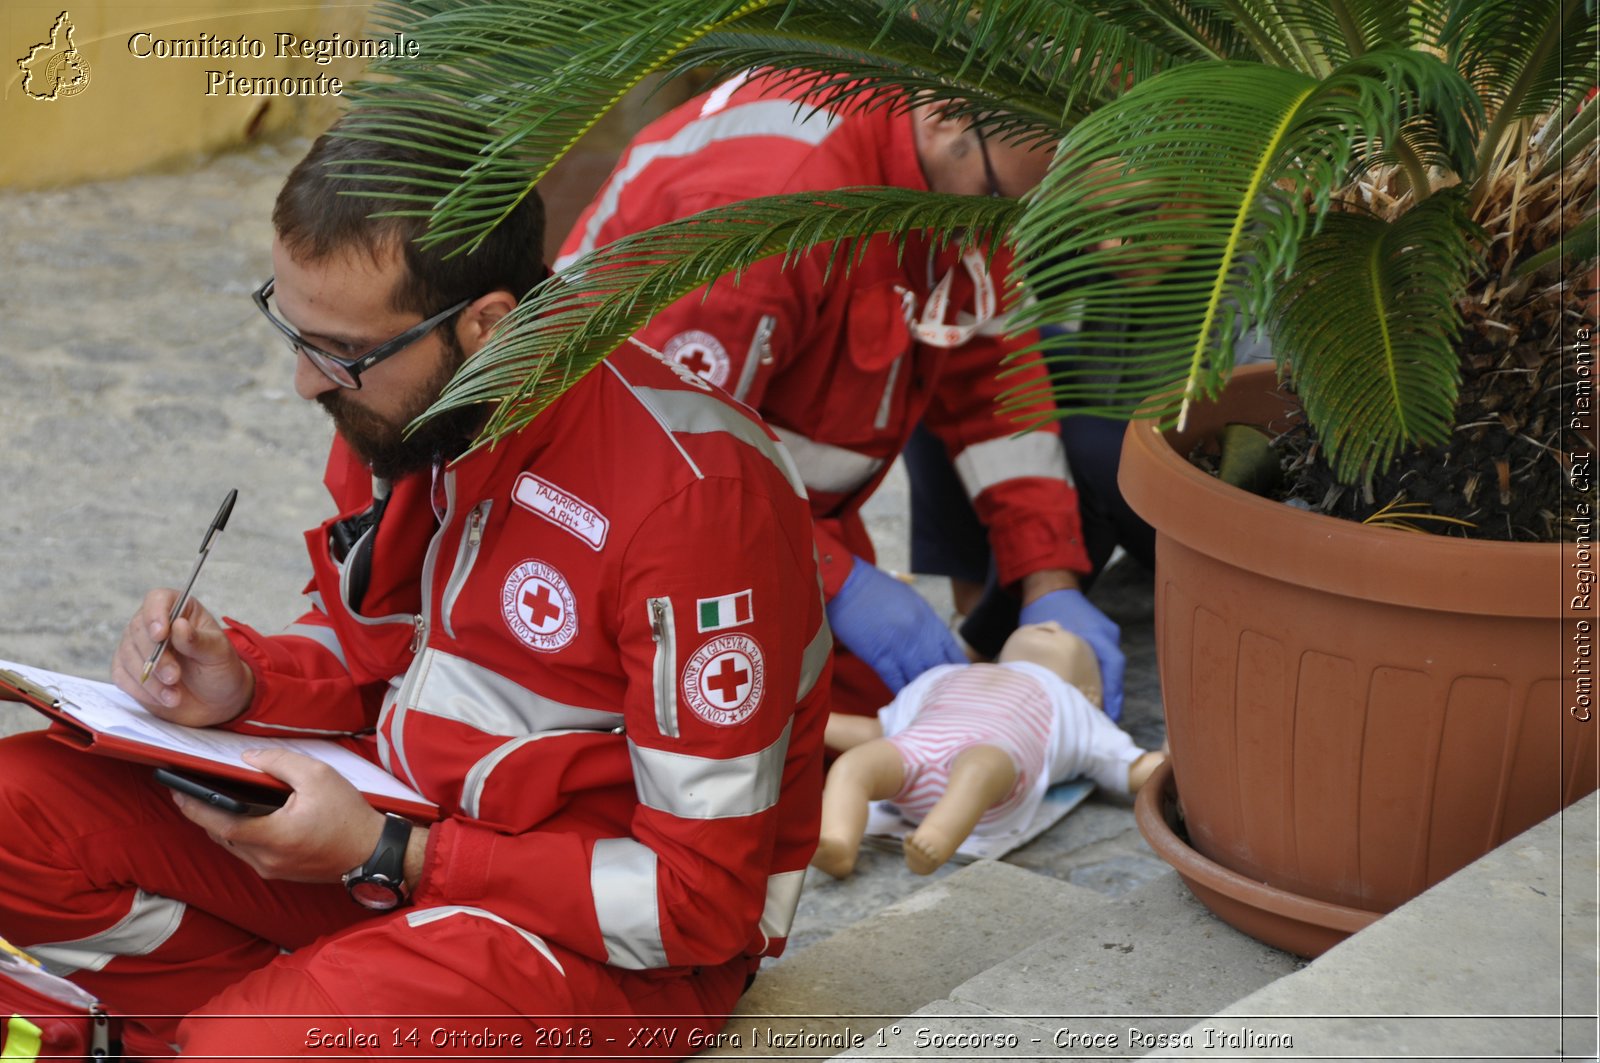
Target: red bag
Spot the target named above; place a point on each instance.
(43, 1017)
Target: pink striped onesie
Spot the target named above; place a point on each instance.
(1050, 730)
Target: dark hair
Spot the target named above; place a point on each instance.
(316, 215)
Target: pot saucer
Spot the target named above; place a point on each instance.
(1282, 919)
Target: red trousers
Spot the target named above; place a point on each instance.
(103, 879)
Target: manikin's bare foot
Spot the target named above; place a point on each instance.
(1140, 770)
(835, 856)
(926, 852)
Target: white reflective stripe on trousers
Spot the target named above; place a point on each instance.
(150, 921)
(424, 916)
(783, 898)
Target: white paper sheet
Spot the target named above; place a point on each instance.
(108, 710)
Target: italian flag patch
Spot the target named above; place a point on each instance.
(714, 614)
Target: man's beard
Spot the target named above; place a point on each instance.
(384, 445)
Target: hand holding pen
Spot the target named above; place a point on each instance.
(218, 522)
(182, 667)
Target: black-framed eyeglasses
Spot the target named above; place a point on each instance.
(346, 372)
(988, 164)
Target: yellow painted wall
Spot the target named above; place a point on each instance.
(134, 113)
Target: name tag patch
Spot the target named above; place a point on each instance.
(561, 508)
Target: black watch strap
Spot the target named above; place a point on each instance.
(380, 882)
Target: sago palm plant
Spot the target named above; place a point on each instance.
(1351, 176)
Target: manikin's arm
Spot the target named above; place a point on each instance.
(846, 731)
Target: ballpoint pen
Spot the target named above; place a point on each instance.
(218, 522)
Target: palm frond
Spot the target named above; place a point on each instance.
(1192, 30)
(1013, 66)
(1367, 324)
(1172, 212)
(1524, 57)
(526, 80)
(1301, 35)
(576, 318)
(517, 83)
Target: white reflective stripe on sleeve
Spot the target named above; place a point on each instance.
(705, 788)
(825, 467)
(458, 689)
(783, 897)
(150, 921)
(322, 636)
(655, 413)
(982, 465)
(696, 412)
(622, 879)
(478, 775)
(424, 916)
(814, 659)
(764, 118)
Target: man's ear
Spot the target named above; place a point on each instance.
(942, 146)
(480, 317)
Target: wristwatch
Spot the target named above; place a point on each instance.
(380, 882)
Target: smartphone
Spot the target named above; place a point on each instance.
(239, 798)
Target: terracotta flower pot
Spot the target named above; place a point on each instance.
(1354, 712)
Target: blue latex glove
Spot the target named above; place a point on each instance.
(1072, 611)
(890, 626)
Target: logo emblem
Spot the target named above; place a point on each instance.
(54, 69)
(724, 680)
(539, 607)
(701, 353)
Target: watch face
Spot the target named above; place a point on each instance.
(375, 893)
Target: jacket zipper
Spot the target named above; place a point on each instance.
(466, 557)
(758, 357)
(666, 666)
(419, 641)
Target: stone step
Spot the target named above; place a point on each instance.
(893, 962)
(1498, 961)
(996, 949)
(1123, 976)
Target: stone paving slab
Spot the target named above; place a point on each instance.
(140, 386)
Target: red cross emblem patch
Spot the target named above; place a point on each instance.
(724, 680)
(538, 606)
(701, 353)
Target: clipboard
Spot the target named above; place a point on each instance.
(99, 718)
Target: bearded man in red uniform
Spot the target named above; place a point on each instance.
(597, 646)
(845, 365)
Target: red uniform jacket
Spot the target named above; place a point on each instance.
(599, 646)
(833, 364)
